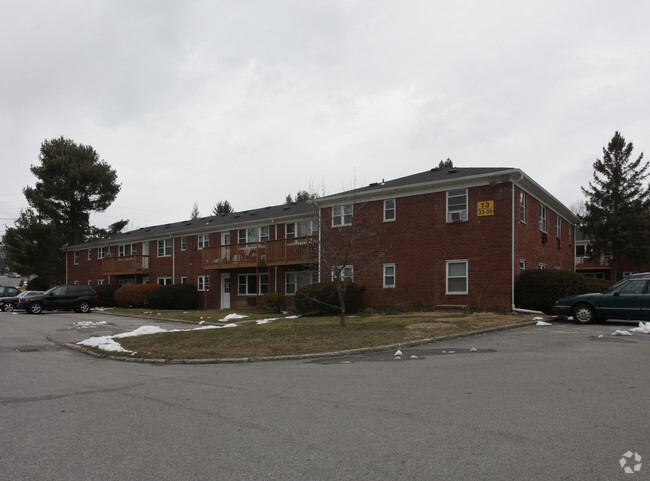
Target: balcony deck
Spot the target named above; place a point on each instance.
(300, 250)
(137, 264)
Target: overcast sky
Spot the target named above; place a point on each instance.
(201, 101)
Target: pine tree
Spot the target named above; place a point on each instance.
(617, 218)
(222, 208)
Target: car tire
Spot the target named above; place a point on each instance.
(35, 308)
(584, 314)
(8, 307)
(83, 307)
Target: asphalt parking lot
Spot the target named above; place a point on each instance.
(541, 402)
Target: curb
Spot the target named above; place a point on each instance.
(298, 357)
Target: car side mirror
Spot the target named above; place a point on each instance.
(616, 293)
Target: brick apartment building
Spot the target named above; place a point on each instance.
(448, 236)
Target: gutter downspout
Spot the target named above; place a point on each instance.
(512, 278)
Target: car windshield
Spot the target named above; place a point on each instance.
(29, 293)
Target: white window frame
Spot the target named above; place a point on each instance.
(457, 212)
(448, 277)
(342, 215)
(294, 280)
(390, 210)
(100, 253)
(165, 246)
(346, 273)
(388, 275)
(522, 264)
(558, 227)
(261, 232)
(203, 283)
(76, 258)
(298, 229)
(100, 282)
(202, 240)
(122, 250)
(184, 243)
(90, 282)
(261, 284)
(164, 281)
(543, 215)
(90, 254)
(542, 266)
(522, 207)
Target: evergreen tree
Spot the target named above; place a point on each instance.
(195, 211)
(617, 218)
(301, 196)
(222, 208)
(446, 163)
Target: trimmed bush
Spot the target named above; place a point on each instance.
(322, 298)
(275, 302)
(540, 289)
(135, 295)
(106, 294)
(175, 296)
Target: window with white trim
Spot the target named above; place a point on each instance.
(90, 254)
(457, 277)
(558, 227)
(76, 283)
(100, 282)
(295, 280)
(342, 215)
(345, 273)
(164, 281)
(183, 280)
(457, 205)
(203, 283)
(301, 228)
(100, 253)
(247, 284)
(522, 206)
(522, 265)
(389, 275)
(90, 283)
(164, 248)
(542, 217)
(76, 258)
(543, 266)
(253, 234)
(127, 250)
(203, 240)
(389, 210)
(183, 243)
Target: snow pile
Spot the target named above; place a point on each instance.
(542, 323)
(621, 333)
(232, 316)
(88, 324)
(644, 328)
(105, 343)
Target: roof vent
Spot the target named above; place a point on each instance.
(452, 171)
(236, 216)
(253, 213)
(167, 226)
(374, 184)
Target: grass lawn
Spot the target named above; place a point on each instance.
(299, 336)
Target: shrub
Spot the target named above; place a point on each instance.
(175, 296)
(135, 295)
(37, 284)
(598, 285)
(540, 289)
(322, 298)
(106, 295)
(275, 302)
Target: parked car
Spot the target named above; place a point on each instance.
(79, 298)
(7, 304)
(7, 292)
(13, 275)
(628, 299)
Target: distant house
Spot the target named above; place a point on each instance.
(600, 266)
(444, 237)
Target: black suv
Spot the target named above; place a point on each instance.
(79, 298)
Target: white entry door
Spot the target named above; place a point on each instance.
(225, 291)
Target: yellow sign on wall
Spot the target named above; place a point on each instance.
(485, 208)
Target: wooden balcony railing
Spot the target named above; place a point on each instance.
(299, 250)
(251, 254)
(137, 264)
(585, 262)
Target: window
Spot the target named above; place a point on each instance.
(302, 228)
(203, 240)
(164, 248)
(183, 243)
(522, 207)
(542, 218)
(90, 283)
(247, 284)
(457, 205)
(389, 275)
(542, 266)
(76, 258)
(127, 250)
(183, 280)
(203, 283)
(100, 253)
(345, 273)
(253, 234)
(342, 215)
(558, 227)
(164, 281)
(76, 283)
(581, 250)
(90, 254)
(457, 277)
(296, 280)
(522, 265)
(100, 282)
(389, 210)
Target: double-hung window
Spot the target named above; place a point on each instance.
(522, 207)
(247, 284)
(342, 215)
(389, 210)
(298, 279)
(253, 234)
(389, 275)
(203, 283)
(127, 250)
(558, 227)
(100, 253)
(457, 205)
(542, 217)
(164, 281)
(302, 228)
(76, 258)
(345, 273)
(90, 254)
(183, 243)
(164, 248)
(203, 240)
(457, 277)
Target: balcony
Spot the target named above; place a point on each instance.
(137, 264)
(300, 250)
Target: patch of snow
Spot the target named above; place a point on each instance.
(542, 323)
(105, 343)
(414, 356)
(644, 328)
(141, 331)
(266, 321)
(538, 318)
(398, 353)
(473, 350)
(232, 316)
(88, 324)
(621, 333)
